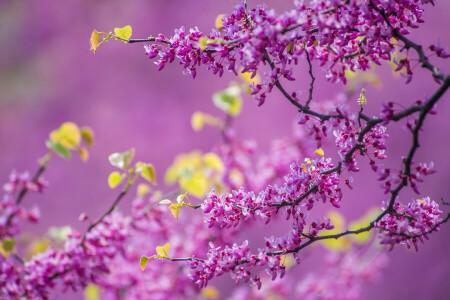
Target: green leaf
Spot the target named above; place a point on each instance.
(88, 136)
(123, 33)
(8, 244)
(59, 149)
(144, 260)
(114, 179)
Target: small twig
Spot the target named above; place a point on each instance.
(110, 210)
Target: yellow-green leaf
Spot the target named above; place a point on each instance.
(341, 244)
(121, 160)
(92, 292)
(175, 210)
(362, 99)
(247, 77)
(236, 177)
(210, 292)
(144, 260)
(163, 251)
(114, 179)
(213, 161)
(148, 172)
(197, 185)
(67, 135)
(124, 32)
(320, 152)
(84, 154)
(88, 136)
(38, 246)
(59, 149)
(219, 22)
(364, 237)
(7, 246)
(202, 42)
(197, 121)
(95, 36)
(59, 233)
(143, 189)
(229, 100)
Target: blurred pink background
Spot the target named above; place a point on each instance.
(48, 76)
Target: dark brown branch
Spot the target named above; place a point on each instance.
(24, 190)
(410, 44)
(110, 210)
(311, 85)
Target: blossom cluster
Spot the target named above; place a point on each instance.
(75, 264)
(342, 277)
(238, 260)
(245, 167)
(344, 35)
(410, 224)
(9, 209)
(308, 178)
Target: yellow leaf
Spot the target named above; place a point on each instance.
(148, 172)
(68, 135)
(236, 177)
(288, 261)
(84, 154)
(144, 260)
(197, 185)
(163, 251)
(95, 36)
(124, 32)
(219, 22)
(142, 190)
(364, 237)
(341, 244)
(114, 179)
(92, 292)
(202, 42)
(362, 99)
(197, 121)
(88, 136)
(175, 210)
(247, 77)
(213, 161)
(180, 198)
(210, 292)
(320, 152)
(38, 246)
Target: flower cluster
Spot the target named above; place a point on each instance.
(411, 224)
(305, 179)
(18, 185)
(238, 260)
(245, 167)
(74, 264)
(345, 35)
(342, 277)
